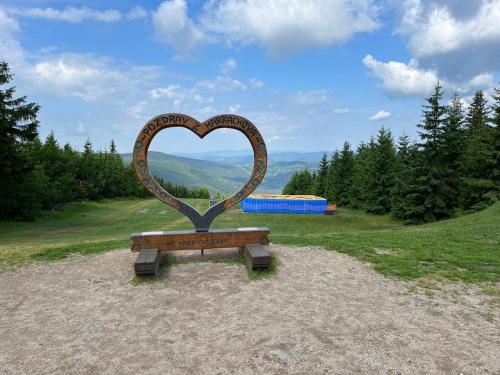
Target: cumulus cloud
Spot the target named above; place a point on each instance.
(173, 26)
(234, 108)
(312, 97)
(228, 66)
(9, 46)
(434, 30)
(458, 38)
(402, 79)
(87, 77)
(137, 12)
(69, 14)
(286, 27)
(380, 115)
(481, 81)
(255, 83)
(222, 83)
(282, 27)
(341, 111)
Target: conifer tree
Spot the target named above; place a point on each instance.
(319, 187)
(340, 176)
(363, 162)
(479, 158)
(452, 150)
(495, 122)
(381, 177)
(428, 190)
(404, 157)
(20, 180)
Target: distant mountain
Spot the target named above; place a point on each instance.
(246, 156)
(224, 174)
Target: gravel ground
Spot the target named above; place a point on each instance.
(322, 313)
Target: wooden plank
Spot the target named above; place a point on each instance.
(331, 209)
(147, 262)
(257, 256)
(192, 240)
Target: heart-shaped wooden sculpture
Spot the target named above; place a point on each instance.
(169, 120)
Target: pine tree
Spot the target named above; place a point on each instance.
(363, 161)
(292, 186)
(428, 191)
(320, 181)
(452, 150)
(495, 122)
(405, 155)
(20, 181)
(479, 160)
(340, 176)
(381, 177)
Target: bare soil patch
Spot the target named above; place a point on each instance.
(323, 312)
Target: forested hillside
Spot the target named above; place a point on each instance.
(453, 167)
(38, 175)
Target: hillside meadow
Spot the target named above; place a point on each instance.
(466, 248)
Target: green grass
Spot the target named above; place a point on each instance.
(466, 248)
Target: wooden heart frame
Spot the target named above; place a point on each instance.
(201, 129)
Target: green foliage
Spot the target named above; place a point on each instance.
(480, 160)
(454, 167)
(339, 177)
(300, 183)
(381, 174)
(18, 128)
(428, 191)
(319, 187)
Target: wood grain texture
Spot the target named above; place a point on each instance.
(192, 240)
(201, 129)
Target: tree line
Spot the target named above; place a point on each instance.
(37, 176)
(453, 167)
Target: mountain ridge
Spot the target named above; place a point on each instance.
(222, 176)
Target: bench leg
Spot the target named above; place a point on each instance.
(147, 262)
(257, 257)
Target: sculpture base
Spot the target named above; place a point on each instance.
(192, 240)
(150, 244)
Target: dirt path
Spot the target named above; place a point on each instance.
(323, 313)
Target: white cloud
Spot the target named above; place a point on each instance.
(433, 29)
(137, 12)
(256, 84)
(312, 97)
(481, 81)
(228, 66)
(234, 108)
(341, 111)
(222, 83)
(459, 39)
(173, 26)
(9, 46)
(402, 79)
(87, 77)
(380, 115)
(286, 27)
(69, 14)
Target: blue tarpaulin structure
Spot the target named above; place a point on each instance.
(287, 204)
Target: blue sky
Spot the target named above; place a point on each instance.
(309, 74)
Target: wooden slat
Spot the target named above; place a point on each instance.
(192, 240)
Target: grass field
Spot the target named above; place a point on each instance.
(466, 248)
